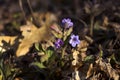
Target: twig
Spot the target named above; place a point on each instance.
(34, 19)
(91, 25)
(21, 7)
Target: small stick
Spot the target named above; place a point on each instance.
(34, 19)
(91, 25)
(21, 7)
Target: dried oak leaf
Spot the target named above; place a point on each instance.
(90, 71)
(32, 34)
(107, 68)
(76, 58)
(7, 39)
(82, 48)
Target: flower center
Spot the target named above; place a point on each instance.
(74, 39)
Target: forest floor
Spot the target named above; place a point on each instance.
(60, 40)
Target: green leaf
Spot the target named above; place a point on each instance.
(101, 53)
(67, 33)
(48, 54)
(37, 46)
(1, 77)
(44, 58)
(113, 58)
(89, 58)
(97, 25)
(38, 64)
(57, 35)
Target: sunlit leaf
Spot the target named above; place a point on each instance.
(88, 58)
(107, 68)
(90, 71)
(38, 47)
(47, 56)
(35, 35)
(57, 35)
(0, 77)
(67, 33)
(38, 64)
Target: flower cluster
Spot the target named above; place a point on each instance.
(67, 23)
(74, 39)
(58, 43)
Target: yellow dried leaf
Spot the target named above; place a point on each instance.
(83, 46)
(33, 34)
(90, 71)
(7, 39)
(77, 62)
(107, 68)
(75, 57)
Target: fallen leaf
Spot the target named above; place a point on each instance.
(32, 34)
(7, 39)
(75, 75)
(107, 68)
(18, 79)
(90, 71)
(27, 29)
(75, 57)
(82, 48)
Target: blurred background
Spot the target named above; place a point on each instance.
(80, 11)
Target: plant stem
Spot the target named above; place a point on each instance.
(91, 25)
(2, 72)
(63, 51)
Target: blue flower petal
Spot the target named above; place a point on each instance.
(67, 23)
(72, 36)
(74, 40)
(58, 43)
(73, 44)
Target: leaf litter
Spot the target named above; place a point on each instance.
(32, 50)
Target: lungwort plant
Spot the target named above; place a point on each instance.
(54, 61)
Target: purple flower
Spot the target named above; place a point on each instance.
(74, 40)
(67, 23)
(58, 43)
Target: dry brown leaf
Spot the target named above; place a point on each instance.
(45, 18)
(90, 71)
(18, 79)
(76, 63)
(75, 75)
(82, 47)
(105, 21)
(80, 69)
(115, 26)
(26, 29)
(75, 57)
(107, 68)
(7, 39)
(83, 71)
(32, 34)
